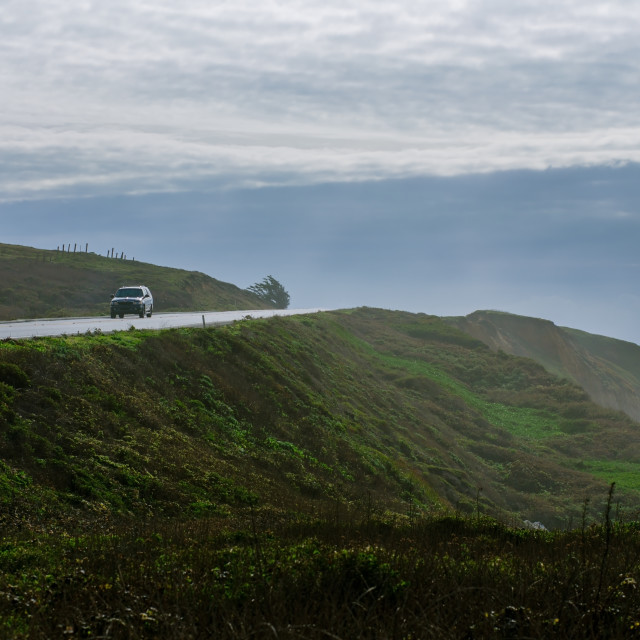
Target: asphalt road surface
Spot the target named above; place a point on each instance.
(18, 329)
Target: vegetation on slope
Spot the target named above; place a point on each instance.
(185, 483)
(368, 409)
(48, 284)
(607, 369)
(443, 579)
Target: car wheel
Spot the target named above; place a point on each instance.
(113, 315)
(121, 315)
(141, 314)
(150, 311)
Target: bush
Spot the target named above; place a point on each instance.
(13, 375)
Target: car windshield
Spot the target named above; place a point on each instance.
(129, 293)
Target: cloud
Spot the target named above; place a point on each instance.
(124, 97)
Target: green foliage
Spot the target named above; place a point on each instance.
(311, 455)
(394, 410)
(625, 473)
(269, 290)
(11, 374)
(7, 395)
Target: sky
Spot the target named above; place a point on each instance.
(430, 156)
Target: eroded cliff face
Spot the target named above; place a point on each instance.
(607, 369)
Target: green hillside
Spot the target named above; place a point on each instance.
(36, 283)
(186, 483)
(381, 410)
(607, 369)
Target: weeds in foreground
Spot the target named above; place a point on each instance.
(441, 578)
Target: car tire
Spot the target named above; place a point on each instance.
(141, 314)
(121, 315)
(150, 311)
(113, 315)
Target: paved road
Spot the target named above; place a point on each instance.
(68, 326)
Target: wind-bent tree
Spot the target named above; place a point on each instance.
(271, 291)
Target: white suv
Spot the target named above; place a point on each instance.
(136, 299)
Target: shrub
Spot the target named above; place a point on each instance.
(13, 375)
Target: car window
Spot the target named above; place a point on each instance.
(129, 293)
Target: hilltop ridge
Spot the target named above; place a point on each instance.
(38, 283)
(606, 368)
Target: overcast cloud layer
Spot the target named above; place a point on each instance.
(122, 96)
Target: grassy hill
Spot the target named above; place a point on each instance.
(367, 409)
(185, 483)
(608, 369)
(36, 283)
